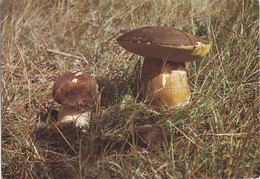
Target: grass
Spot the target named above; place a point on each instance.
(215, 136)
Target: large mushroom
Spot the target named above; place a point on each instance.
(77, 92)
(166, 49)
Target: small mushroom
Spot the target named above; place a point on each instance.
(150, 135)
(166, 49)
(76, 92)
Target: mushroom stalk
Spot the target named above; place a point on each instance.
(164, 83)
(68, 114)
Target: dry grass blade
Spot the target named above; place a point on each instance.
(64, 54)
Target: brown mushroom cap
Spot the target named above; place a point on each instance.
(166, 43)
(150, 135)
(76, 89)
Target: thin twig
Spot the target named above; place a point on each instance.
(63, 53)
(230, 134)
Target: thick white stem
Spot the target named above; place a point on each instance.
(69, 114)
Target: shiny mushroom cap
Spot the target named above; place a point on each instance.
(166, 43)
(77, 89)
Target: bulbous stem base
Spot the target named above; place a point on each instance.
(164, 83)
(69, 114)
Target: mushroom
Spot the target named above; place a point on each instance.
(150, 135)
(166, 49)
(76, 92)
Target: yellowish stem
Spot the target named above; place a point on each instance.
(164, 83)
